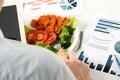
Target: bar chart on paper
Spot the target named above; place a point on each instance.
(98, 51)
(108, 67)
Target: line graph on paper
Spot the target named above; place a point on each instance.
(99, 43)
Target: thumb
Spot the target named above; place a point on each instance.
(61, 54)
(72, 55)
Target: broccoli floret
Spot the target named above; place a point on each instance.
(69, 29)
(64, 30)
(65, 36)
(65, 44)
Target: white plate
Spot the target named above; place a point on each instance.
(75, 37)
(44, 9)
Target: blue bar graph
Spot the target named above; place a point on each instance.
(92, 65)
(108, 64)
(86, 60)
(104, 25)
(110, 21)
(99, 67)
(81, 57)
(112, 72)
(118, 75)
(103, 31)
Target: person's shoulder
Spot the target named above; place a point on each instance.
(33, 54)
(40, 52)
(44, 57)
(37, 59)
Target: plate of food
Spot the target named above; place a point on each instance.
(52, 32)
(50, 26)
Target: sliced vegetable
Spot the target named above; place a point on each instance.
(29, 36)
(51, 38)
(40, 36)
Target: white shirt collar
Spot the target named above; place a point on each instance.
(1, 34)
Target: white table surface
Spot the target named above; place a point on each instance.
(92, 7)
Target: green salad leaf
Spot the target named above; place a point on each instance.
(73, 21)
(50, 47)
(26, 28)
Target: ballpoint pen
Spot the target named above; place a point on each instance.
(80, 41)
(117, 60)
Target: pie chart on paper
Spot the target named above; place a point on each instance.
(68, 4)
(117, 47)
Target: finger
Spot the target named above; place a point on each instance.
(61, 54)
(83, 65)
(72, 55)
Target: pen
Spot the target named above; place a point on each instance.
(117, 60)
(80, 40)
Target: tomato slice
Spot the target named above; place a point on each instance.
(40, 36)
(29, 36)
(51, 38)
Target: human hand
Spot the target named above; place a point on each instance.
(80, 69)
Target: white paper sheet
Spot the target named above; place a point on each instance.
(98, 47)
(35, 8)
